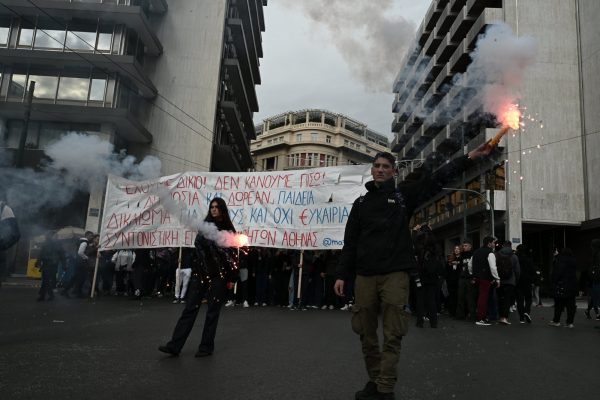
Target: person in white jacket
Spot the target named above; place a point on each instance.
(183, 275)
(123, 261)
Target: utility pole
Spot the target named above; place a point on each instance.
(23, 138)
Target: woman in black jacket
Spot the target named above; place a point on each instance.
(564, 279)
(209, 279)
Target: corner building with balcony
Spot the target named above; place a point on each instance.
(154, 77)
(542, 186)
(313, 138)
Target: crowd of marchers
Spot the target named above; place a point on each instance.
(484, 286)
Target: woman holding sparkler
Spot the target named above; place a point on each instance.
(215, 268)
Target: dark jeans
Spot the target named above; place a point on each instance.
(214, 292)
(506, 296)
(523, 300)
(559, 306)
(426, 304)
(466, 299)
(48, 282)
(77, 280)
(262, 281)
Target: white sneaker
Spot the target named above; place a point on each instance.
(482, 323)
(230, 303)
(345, 308)
(552, 323)
(570, 326)
(246, 305)
(324, 308)
(264, 304)
(331, 307)
(255, 304)
(175, 301)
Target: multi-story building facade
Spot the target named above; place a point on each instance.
(313, 138)
(175, 82)
(542, 186)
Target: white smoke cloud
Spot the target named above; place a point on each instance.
(499, 62)
(492, 79)
(369, 38)
(88, 159)
(221, 238)
(78, 163)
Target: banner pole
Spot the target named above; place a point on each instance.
(100, 224)
(93, 292)
(177, 277)
(300, 275)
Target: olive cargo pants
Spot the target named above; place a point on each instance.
(387, 294)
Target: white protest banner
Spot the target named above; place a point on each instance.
(301, 209)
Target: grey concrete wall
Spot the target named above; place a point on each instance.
(551, 89)
(187, 73)
(589, 13)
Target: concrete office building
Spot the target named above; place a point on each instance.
(545, 197)
(172, 79)
(313, 138)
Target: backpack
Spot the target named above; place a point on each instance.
(504, 265)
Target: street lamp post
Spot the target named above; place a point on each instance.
(484, 199)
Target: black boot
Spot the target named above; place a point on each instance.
(369, 390)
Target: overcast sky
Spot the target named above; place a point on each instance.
(339, 55)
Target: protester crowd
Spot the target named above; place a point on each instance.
(455, 285)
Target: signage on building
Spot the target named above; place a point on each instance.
(301, 209)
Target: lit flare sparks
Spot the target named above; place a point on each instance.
(510, 119)
(242, 240)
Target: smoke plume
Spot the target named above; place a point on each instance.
(76, 163)
(492, 79)
(370, 40)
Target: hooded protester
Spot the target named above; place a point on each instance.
(525, 283)
(9, 234)
(430, 267)
(507, 264)
(216, 270)
(594, 298)
(564, 280)
(51, 256)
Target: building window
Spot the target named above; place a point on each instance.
(270, 163)
(81, 39)
(97, 89)
(45, 86)
(16, 90)
(49, 39)
(328, 139)
(346, 143)
(314, 137)
(298, 137)
(25, 37)
(73, 88)
(270, 141)
(4, 31)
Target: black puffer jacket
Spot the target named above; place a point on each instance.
(564, 275)
(377, 239)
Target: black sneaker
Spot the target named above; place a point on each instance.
(527, 317)
(379, 396)
(369, 390)
(202, 353)
(168, 350)
(587, 314)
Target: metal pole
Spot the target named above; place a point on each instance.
(23, 138)
(300, 275)
(93, 292)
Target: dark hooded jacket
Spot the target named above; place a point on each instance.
(377, 239)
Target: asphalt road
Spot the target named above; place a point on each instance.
(107, 349)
